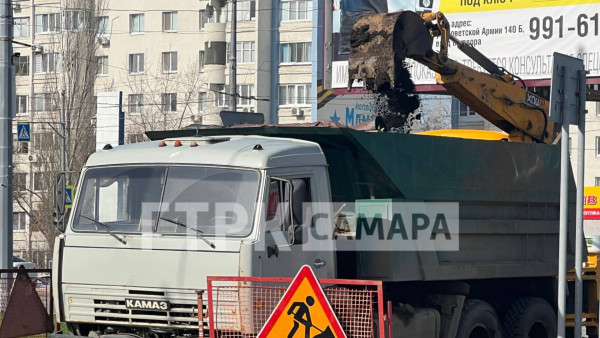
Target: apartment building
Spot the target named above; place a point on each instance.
(171, 64)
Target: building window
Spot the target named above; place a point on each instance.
(294, 95)
(136, 103)
(169, 62)
(135, 138)
(216, 53)
(21, 28)
(44, 139)
(202, 101)
(201, 60)
(221, 96)
(245, 52)
(169, 101)
(597, 181)
(295, 52)
(46, 63)
(22, 104)
(597, 145)
(245, 92)
(19, 221)
(296, 10)
(47, 23)
(19, 147)
(136, 23)
(464, 110)
(169, 20)
(74, 20)
(102, 65)
(41, 181)
(597, 109)
(20, 182)
(246, 11)
(23, 65)
(44, 102)
(218, 16)
(203, 19)
(102, 25)
(136, 63)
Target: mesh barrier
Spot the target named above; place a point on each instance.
(240, 306)
(25, 302)
(41, 279)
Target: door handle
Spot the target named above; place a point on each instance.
(319, 263)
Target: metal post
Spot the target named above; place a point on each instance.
(562, 245)
(233, 57)
(579, 238)
(7, 82)
(63, 163)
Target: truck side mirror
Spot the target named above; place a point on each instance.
(60, 192)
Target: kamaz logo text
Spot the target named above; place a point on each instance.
(156, 305)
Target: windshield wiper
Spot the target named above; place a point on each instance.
(107, 228)
(198, 232)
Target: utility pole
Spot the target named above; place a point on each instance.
(63, 163)
(7, 83)
(233, 57)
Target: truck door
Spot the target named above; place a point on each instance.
(291, 202)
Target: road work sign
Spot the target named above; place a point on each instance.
(303, 312)
(69, 197)
(24, 132)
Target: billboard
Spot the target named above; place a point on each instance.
(520, 36)
(591, 204)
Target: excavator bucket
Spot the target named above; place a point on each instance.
(380, 43)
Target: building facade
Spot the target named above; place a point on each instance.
(170, 64)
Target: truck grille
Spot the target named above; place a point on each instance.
(107, 306)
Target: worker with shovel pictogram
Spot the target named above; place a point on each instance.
(302, 316)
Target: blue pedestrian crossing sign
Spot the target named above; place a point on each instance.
(24, 132)
(68, 197)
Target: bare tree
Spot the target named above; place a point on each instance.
(433, 114)
(164, 100)
(69, 86)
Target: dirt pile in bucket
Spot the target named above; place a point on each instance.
(376, 60)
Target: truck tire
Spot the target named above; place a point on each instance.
(478, 320)
(530, 317)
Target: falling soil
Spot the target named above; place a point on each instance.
(397, 105)
(380, 62)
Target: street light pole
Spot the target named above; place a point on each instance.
(63, 163)
(233, 57)
(7, 83)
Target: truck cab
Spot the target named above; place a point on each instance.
(151, 221)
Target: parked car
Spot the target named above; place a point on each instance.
(20, 263)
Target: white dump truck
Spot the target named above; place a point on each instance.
(152, 220)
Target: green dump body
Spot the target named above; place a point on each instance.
(508, 195)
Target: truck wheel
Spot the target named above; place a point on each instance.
(478, 320)
(530, 317)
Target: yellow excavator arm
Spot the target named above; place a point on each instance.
(380, 44)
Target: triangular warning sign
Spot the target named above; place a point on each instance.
(23, 133)
(303, 311)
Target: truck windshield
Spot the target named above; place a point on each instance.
(214, 201)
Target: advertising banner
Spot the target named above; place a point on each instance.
(520, 36)
(591, 206)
